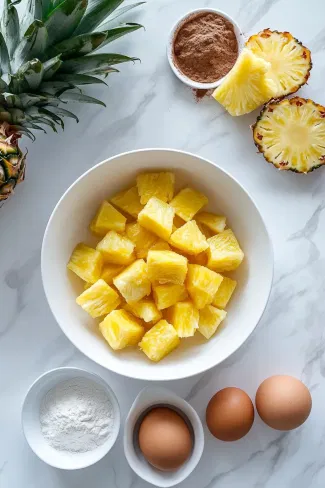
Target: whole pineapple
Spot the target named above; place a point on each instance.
(45, 56)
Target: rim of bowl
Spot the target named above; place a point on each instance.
(181, 76)
(81, 372)
(204, 368)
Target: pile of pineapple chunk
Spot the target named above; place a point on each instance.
(156, 271)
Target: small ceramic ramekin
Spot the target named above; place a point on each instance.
(148, 398)
(170, 54)
(32, 428)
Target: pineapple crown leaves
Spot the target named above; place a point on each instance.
(48, 54)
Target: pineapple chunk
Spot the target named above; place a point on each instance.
(157, 216)
(116, 249)
(145, 309)
(159, 185)
(100, 299)
(178, 222)
(224, 292)
(109, 272)
(106, 219)
(210, 319)
(141, 237)
(86, 262)
(224, 253)
(184, 317)
(133, 283)
(128, 201)
(166, 296)
(159, 341)
(188, 202)
(120, 329)
(160, 245)
(201, 259)
(216, 223)
(202, 284)
(166, 267)
(205, 231)
(189, 239)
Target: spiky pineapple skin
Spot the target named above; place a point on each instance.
(10, 174)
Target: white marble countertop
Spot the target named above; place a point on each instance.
(149, 107)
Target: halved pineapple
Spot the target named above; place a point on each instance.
(210, 319)
(159, 341)
(202, 284)
(86, 262)
(116, 249)
(189, 238)
(128, 201)
(106, 219)
(157, 217)
(109, 272)
(133, 283)
(121, 329)
(215, 223)
(160, 245)
(146, 310)
(141, 237)
(224, 293)
(166, 296)
(159, 185)
(166, 267)
(184, 317)
(247, 85)
(291, 133)
(224, 253)
(188, 202)
(100, 299)
(290, 60)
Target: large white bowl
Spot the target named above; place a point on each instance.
(68, 225)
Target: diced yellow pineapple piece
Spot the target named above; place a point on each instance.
(224, 253)
(201, 259)
(210, 319)
(120, 329)
(106, 219)
(116, 249)
(202, 284)
(159, 341)
(159, 185)
(178, 222)
(145, 309)
(188, 202)
(216, 223)
(128, 201)
(167, 295)
(141, 237)
(166, 267)
(109, 272)
(157, 216)
(160, 245)
(224, 292)
(184, 317)
(99, 299)
(189, 239)
(87, 285)
(133, 283)
(205, 231)
(86, 262)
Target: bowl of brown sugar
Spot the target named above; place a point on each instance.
(203, 46)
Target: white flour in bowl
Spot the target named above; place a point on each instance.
(76, 416)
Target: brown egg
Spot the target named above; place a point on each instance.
(230, 414)
(283, 402)
(165, 439)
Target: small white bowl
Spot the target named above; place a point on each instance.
(185, 79)
(32, 428)
(147, 399)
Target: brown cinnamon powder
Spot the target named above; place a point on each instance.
(205, 47)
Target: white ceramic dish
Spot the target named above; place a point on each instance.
(68, 225)
(185, 79)
(32, 428)
(148, 398)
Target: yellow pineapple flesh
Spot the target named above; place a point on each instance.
(159, 341)
(224, 293)
(121, 329)
(215, 223)
(210, 319)
(202, 284)
(166, 267)
(201, 259)
(159, 185)
(189, 238)
(157, 217)
(86, 262)
(160, 245)
(106, 219)
(178, 222)
(133, 283)
(128, 201)
(166, 296)
(116, 248)
(224, 253)
(184, 317)
(109, 272)
(146, 310)
(142, 238)
(188, 202)
(99, 299)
